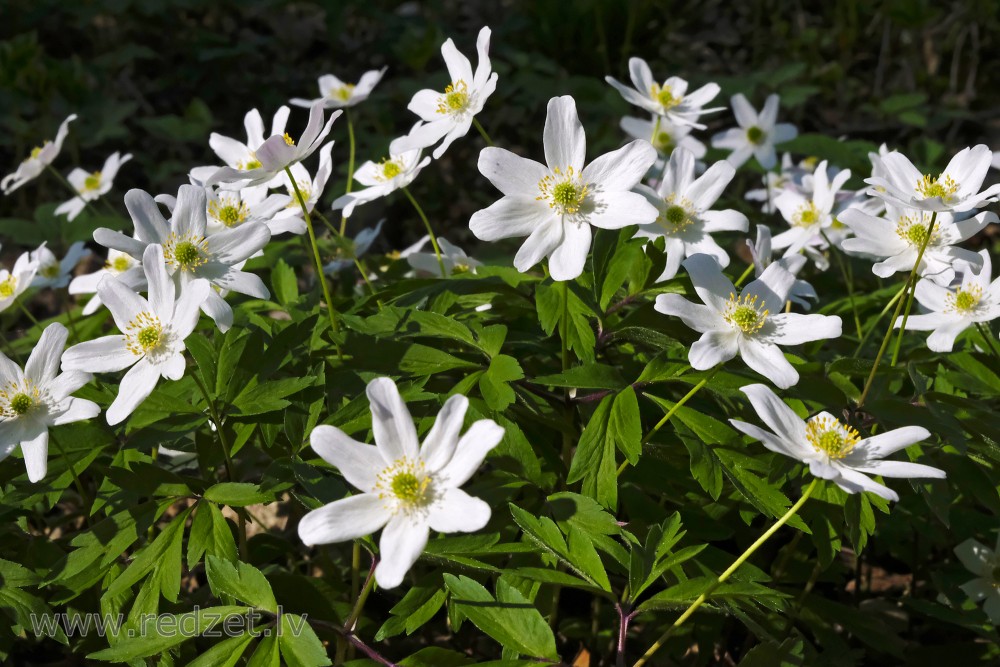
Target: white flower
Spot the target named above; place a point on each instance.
(408, 488)
(40, 157)
(290, 218)
(955, 189)
(34, 399)
(189, 252)
(454, 259)
(684, 219)
(760, 251)
(448, 116)
(833, 450)
(756, 134)
(555, 206)
(239, 155)
(336, 94)
(952, 311)
(809, 216)
(122, 266)
(751, 324)
(664, 136)
(381, 178)
(14, 282)
(276, 153)
(151, 344)
(53, 272)
(90, 186)
(897, 239)
(228, 209)
(985, 564)
(668, 100)
(362, 242)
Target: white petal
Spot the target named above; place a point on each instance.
(185, 315)
(542, 241)
(440, 442)
(903, 469)
(136, 385)
(567, 260)
(36, 455)
(472, 448)
(402, 542)
(359, 463)
(78, 410)
(160, 286)
(345, 519)
(772, 411)
(150, 226)
(510, 173)
(217, 309)
(698, 317)
(563, 137)
(455, 511)
(123, 303)
(974, 556)
(882, 445)
(614, 210)
(768, 360)
(709, 186)
(853, 481)
(66, 383)
(43, 363)
(392, 425)
(795, 329)
(101, 355)
(235, 245)
(510, 216)
(712, 286)
(768, 439)
(621, 169)
(713, 348)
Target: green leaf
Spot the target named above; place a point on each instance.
(150, 555)
(625, 426)
(270, 396)
(423, 360)
(224, 654)
(238, 494)
(166, 631)
(510, 618)
(266, 654)
(494, 383)
(241, 581)
(551, 300)
(300, 647)
(210, 535)
(586, 376)
(285, 283)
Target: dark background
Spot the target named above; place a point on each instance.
(155, 77)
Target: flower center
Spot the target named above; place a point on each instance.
(186, 254)
(93, 181)
(755, 135)
(390, 169)
(745, 314)
(964, 299)
(20, 404)
(943, 187)
(664, 96)
(406, 482)
(806, 216)
(343, 93)
(663, 142)
(677, 216)
(50, 270)
(17, 399)
(565, 192)
(252, 163)
(36, 151)
(305, 188)
(455, 98)
(144, 334)
(119, 264)
(8, 286)
(230, 212)
(829, 436)
(914, 231)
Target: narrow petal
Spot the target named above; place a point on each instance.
(43, 363)
(709, 186)
(160, 286)
(768, 439)
(123, 303)
(402, 542)
(882, 445)
(542, 241)
(66, 383)
(768, 360)
(102, 355)
(712, 286)
(150, 225)
(712, 349)
(472, 448)
(455, 511)
(853, 481)
(772, 287)
(567, 260)
(35, 451)
(903, 469)
(563, 137)
(795, 329)
(510, 173)
(392, 425)
(440, 442)
(136, 385)
(698, 317)
(345, 519)
(359, 463)
(745, 114)
(235, 245)
(78, 410)
(621, 169)
(614, 210)
(185, 315)
(772, 411)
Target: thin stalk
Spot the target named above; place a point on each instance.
(885, 309)
(350, 166)
(986, 333)
(913, 289)
(319, 263)
(358, 262)
(430, 232)
(835, 251)
(656, 130)
(482, 132)
(71, 319)
(725, 575)
(670, 413)
(739, 281)
(910, 283)
(27, 313)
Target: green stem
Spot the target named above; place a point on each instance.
(739, 281)
(486, 137)
(27, 313)
(319, 263)
(885, 309)
(358, 262)
(985, 332)
(725, 575)
(430, 232)
(913, 289)
(670, 413)
(350, 166)
(656, 130)
(835, 251)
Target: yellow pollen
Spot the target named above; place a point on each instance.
(964, 299)
(914, 231)
(455, 98)
(343, 93)
(565, 192)
(252, 163)
(144, 334)
(8, 286)
(93, 181)
(755, 135)
(943, 187)
(806, 216)
(745, 313)
(665, 96)
(231, 212)
(20, 404)
(119, 264)
(36, 151)
(829, 436)
(405, 481)
(288, 139)
(677, 215)
(186, 254)
(18, 398)
(390, 169)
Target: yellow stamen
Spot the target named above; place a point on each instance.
(745, 313)
(144, 334)
(829, 436)
(565, 192)
(964, 300)
(943, 187)
(664, 96)
(455, 98)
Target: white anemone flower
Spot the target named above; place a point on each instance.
(151, 342)
(555, 205)
(809, 217)
(685, 220)
(91, 186)
(831, 449)
(756, 135)
(950, 311)
(760, 252)
(663, 135)
(337, 94)
(14, 282)
(381, 178)
(750, 324)
(955, 189)
(455, 260)
(237, 154)
(669, 100)
(228, 209)
(190, 252)
(40, 157)
(278, 152)
(52, 271)
(38, 397)
(290, 217)
(119, 264)
(898, 237)
(448, 116)
(407, 489)
(362, 244)
(983, 562)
